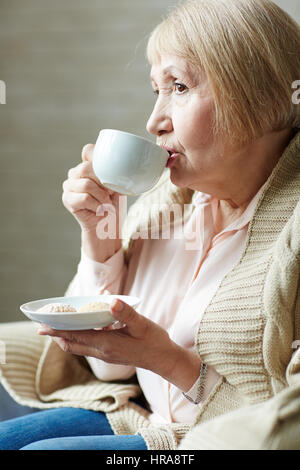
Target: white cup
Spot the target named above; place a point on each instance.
(126, 163)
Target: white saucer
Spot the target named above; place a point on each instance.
(75, 320)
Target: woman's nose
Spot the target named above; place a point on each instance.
(160, 121)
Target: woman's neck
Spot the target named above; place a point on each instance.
(260, 160)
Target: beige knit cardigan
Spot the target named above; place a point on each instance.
(246, 332)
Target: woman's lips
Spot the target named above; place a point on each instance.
(173, 155)
(171, 159)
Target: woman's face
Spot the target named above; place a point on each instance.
(182, 120)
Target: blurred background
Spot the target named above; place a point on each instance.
(71, 68)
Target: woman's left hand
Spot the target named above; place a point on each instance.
(140, 343)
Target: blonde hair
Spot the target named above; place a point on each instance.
(250, 52)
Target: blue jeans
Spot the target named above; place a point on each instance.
(64, 429)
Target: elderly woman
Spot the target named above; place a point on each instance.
(214, 331)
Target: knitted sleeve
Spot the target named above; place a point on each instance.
(274, 423)
(271, 425)
(293, 369)
(282, 302)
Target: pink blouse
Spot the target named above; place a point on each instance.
(175, 280)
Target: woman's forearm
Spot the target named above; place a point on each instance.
(142, 343)
(93, 278)
(99, 250)
(182, 369)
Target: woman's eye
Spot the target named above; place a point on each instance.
(179, 88)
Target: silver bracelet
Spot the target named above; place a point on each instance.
(195, 394)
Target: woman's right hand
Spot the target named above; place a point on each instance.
(83, 195)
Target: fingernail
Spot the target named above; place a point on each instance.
(117, 325)
(43, 329)
(118, 305)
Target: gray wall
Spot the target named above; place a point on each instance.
(71, 68)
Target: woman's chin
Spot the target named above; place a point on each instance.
(177, 177)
